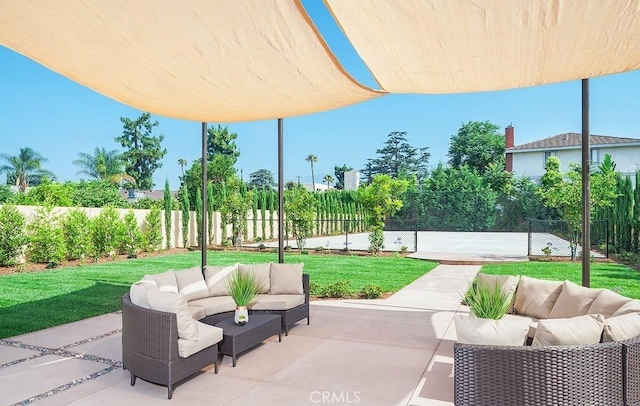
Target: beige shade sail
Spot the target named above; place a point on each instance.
(203, 60)
(454, 46)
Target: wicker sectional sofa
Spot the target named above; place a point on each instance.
(169, 319)
(555, 367)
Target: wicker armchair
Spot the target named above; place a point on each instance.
(292, 316)
(150, 347)
(546, 375)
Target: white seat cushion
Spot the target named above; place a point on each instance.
(276, 302)
(535, 297)
(197, 312)
(215, 305)
(166, 281)
(286, 279)
(217, 277)
(191, 283)
(174, 303)
(574, 300)
(585, 329)
(261, 273)
(207, 336)
(510, 330)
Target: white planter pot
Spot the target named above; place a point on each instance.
(241, 315)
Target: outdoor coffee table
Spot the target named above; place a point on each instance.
(240, 338)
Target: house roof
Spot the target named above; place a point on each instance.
(573, 140)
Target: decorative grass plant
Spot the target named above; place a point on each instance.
(488, 301)
(243, 288)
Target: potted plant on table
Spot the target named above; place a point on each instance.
(243, 288)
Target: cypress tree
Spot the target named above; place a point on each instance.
(199, 218)
(167, 213)
(210, 210)
(272, 208)
(184, 199)
(263, 212)
(223, 217)
(636, 213)
(254, 213)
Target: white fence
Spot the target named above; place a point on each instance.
(176, 223)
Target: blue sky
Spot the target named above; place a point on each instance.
(59, 118)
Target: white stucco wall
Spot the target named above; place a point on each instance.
(531, 163)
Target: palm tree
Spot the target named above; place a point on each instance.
(103, 164)
(329, 179)
(25, 168)
(182, 162)
(312, 159)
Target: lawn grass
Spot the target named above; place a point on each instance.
(37, 300)
(619, 278)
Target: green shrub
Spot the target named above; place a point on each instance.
(403, 249)
(46, 240)
(376, 240)
(76, 229)
(338, 289)
(13, 236)
(184, 207)
(261, 246)
(370, 292)
(97, 193)
(146, 203)
(132, 241)
(107, 230)
(153, 230)
(314, 289)
(319, 248)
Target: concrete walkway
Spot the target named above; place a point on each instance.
(397, 351)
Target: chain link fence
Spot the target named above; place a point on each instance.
(399, 236)
(558, 238)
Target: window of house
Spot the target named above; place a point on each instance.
(595, 156)
(547, 154)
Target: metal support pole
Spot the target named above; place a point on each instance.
(280, 194)
(586, 212)
(203, 233)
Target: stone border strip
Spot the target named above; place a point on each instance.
(62, 352)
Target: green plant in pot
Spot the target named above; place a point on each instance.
(488, 301)
(243, 288)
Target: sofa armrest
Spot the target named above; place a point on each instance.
(149, 332)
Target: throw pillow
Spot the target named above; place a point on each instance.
(607, 303)
(191, 283)
(174, 303)
(535, 297)
(585, 329)
(573, 301)
(138, 293)
(632, 306)
(166, 282)
(620, 328)
(261, 273)
(510, 330)
(286, 279)
(216, 278)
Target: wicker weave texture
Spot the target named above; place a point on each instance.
(240, 338)
(546, 375)
(150, 347)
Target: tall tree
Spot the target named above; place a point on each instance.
(339, 172)
(476, 145)
(25, 168)
(103, 165)
(261, 178)
(182, 162)
(185, 207)
(398, 157)
(329, 180)
(312, 159)
(144, 154)
(168, 206)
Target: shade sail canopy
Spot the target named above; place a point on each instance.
(453, 46)
(204, 60)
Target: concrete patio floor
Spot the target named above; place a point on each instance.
(397, 351)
